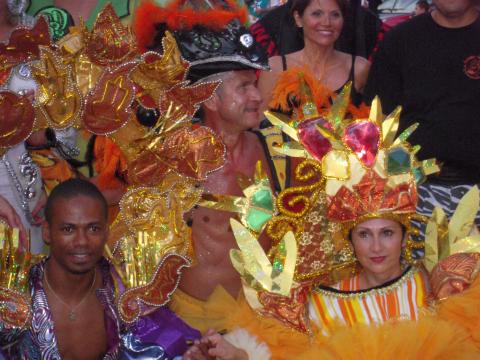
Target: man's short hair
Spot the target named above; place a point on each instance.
(221, 76)
(423, 4)
(73, 188)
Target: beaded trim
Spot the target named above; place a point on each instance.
(233, 58)
(382, 290)
(28, 170)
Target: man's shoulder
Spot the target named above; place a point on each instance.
(410, 29)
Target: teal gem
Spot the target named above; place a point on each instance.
(263, 198)
(255, 219)
(277, 265)
(419, 175)
(398, 161)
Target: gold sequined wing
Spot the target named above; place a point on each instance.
(15, 264)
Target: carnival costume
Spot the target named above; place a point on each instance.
(27, 327)
(20, 176)
(214, 40)
(96, 81)
(355, 169)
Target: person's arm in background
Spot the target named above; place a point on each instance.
(8, 213)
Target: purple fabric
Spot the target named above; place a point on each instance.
(42, 329)
(164, 328)
(161, 327)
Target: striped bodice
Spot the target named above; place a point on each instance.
(344, 303)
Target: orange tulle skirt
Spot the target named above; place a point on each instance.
(223, 312)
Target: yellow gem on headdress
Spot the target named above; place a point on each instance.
(335, 165)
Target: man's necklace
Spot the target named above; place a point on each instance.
(72, 316)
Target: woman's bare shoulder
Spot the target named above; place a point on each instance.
(343, 57)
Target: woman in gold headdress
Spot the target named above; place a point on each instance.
(365, 179)
(383, 289)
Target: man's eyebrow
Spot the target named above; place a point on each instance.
(246, 82)
(99, 222)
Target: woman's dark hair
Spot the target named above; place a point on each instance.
(300, 6)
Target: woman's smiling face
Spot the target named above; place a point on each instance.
(322, 22)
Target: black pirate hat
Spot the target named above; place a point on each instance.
(211, 38)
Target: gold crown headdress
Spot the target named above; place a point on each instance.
(359, 165)
(353, 169)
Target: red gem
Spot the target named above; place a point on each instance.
(314, 142)
(363, 138)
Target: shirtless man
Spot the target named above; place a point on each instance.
(73, 293)
(76, 230)
(72, 288)
(232, 56)
(231, 112)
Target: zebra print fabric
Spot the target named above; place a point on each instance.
(432, 195)
(446, 197)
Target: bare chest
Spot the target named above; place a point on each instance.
(82, 336)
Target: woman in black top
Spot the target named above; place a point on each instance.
(322, 22)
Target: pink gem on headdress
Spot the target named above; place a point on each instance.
(314, 142)
(363, 139)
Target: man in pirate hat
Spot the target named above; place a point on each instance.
(218, 48)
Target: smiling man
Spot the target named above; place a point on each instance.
(76, 230)
(73, 292)
(72, 289)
